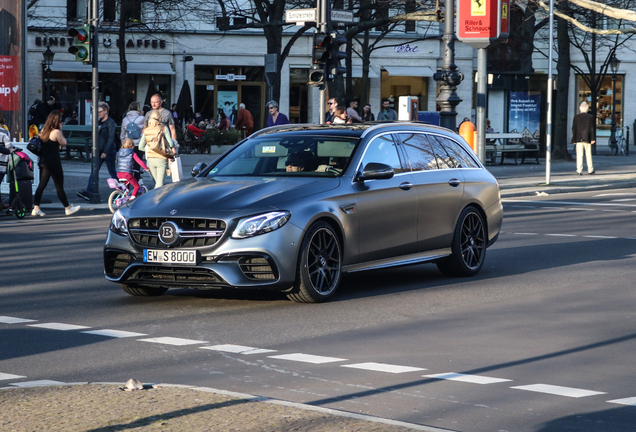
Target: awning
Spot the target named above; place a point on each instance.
(113, 67)
(356, 72)
(413, 71)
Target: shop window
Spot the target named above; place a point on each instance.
(604, 101)
(395, 86)
(76, 10)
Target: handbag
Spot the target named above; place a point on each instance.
(159, 145)
(35, 145)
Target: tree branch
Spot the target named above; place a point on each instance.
(606, 10)
(584, 27)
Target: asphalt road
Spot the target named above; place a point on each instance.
(541, 340)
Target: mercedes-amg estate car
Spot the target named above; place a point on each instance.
(294, 207)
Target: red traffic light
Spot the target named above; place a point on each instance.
(79, 33)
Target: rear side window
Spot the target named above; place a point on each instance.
(457, 153)
(419, 151)
(383, 150)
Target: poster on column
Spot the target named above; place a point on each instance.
(10, 51)
(228, 103)
(525, 113)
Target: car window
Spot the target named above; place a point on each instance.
(383, 150)
(419, 151)
(287, 154)
(444, 160)
(457, 153)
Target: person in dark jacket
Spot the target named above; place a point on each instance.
(125, 158)
(51, 165)
(107, 146)
(583, 136)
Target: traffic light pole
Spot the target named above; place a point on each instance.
(324, 28)
(94, 195)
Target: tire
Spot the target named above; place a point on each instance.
(468, 247)
(115, 195)
(143, 292)
(319, 265)
(18, 208)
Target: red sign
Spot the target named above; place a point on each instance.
(478, 21)
(10, 83)
(505, 13)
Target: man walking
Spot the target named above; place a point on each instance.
(386, 113)
(331, 113)
(352, 112)
(166, 115)
(244, 120)
(583, 136)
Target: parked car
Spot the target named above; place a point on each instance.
(294, 207)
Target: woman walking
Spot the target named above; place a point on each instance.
(157, 162)
(51, 165)
(275, 117)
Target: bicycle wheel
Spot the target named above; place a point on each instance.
(622, 146)
(18, 208)
(112, 200)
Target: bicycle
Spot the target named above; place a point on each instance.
(121, 194)
(621, 143)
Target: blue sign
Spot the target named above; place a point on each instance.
(525, 113)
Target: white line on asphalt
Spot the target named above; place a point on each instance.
(58, 326)
(237, 349)
(571, 203)
(562, 235)
(526, 233)
(38, 383)
(474, 379)
(558, 390)
(6, 376)
(624, 199)
(12, 320)
(307, 358)
(616, 211)
(114, 333)
(627, 401)
(383, 367)
(173, 341)
(600, 237)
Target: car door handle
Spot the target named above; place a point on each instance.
(454, 182)
(406, 186)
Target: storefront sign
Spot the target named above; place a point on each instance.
(231, 77)
(11, 80)
(406, 48)
(479, 22)
(64, 41)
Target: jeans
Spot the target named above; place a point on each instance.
(157, 169)
(110, 164)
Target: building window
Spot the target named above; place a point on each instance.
(110, 10)
(222, 22)
(409, 26)
(382, 11)
(604, 100)
(76, 10)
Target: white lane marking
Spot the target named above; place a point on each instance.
(627, 401)
(237, 349)
(475, 379)
(114, 333)
(615, 194)
(562, 235)
(526, 233)
(383, 367)
(615, 211)
(572, 203)
(600, 237)
(173, 341)
(59, 326)
(307, 358)
(38, 383)
(624, 199)
(558, 390)
(6, 376)
(13, 320)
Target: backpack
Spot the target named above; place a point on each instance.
(132, 130)
(159, 144)
(35, 145)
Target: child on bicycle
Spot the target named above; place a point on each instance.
(125, 158)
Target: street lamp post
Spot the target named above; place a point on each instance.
(614, 64)
(48, 61)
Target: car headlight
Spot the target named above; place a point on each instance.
(118, 224)
(260, 224)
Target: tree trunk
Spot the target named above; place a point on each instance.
(562, 97)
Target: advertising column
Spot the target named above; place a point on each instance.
(10, 60)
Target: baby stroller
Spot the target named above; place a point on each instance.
(20, 170)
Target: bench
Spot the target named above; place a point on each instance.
(80, 139)
(510, 145)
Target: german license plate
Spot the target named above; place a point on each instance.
(170, 256)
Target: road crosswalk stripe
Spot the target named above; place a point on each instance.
(38, 383)
(59, 326)
(13, 320)
(475, 379)
(6, 376)
(114, 333)
(307, 358)
(383, 367)
(173, 341)
(626, 401)
(558, 390)
(237, 349)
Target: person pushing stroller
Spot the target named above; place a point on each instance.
(125, 157)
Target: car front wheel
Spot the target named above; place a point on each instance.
(469, 246)
(319, 266)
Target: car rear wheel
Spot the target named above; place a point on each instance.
(469, 246)
(319, 266)
(143, 292)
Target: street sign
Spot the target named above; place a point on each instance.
(345, 16)
(301, 15)
(479, 21)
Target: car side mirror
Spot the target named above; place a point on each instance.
(375, 171)
(198, 168)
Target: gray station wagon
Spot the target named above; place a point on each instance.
(293, 207)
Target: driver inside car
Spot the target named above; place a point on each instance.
(298, 161)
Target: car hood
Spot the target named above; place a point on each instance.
(197, 196)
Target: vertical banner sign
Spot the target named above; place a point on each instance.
(505, 29)
(525, 113)
(10, 57)
(478, 21)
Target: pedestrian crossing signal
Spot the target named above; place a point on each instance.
(82, 47)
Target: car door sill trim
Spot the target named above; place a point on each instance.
(398, 261)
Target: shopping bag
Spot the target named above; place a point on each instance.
(176, 169)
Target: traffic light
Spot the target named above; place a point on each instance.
(335, 55)
(82, 46)
(319, 58)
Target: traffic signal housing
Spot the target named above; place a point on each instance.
(320, 57)
(335, 55)
(82, 43)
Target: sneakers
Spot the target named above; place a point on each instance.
(592, 173)
(84, 195)
(69, 211)
(37, 213)
(132, 197)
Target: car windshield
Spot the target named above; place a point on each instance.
(287, 155)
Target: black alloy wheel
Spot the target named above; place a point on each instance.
(469, 246)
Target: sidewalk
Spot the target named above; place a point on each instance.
(514, 180)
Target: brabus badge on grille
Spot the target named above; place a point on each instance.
(168, 233)
(173, 212)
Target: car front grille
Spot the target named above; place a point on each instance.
(189, 276)
(193, 232)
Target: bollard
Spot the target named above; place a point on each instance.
(468, 132)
